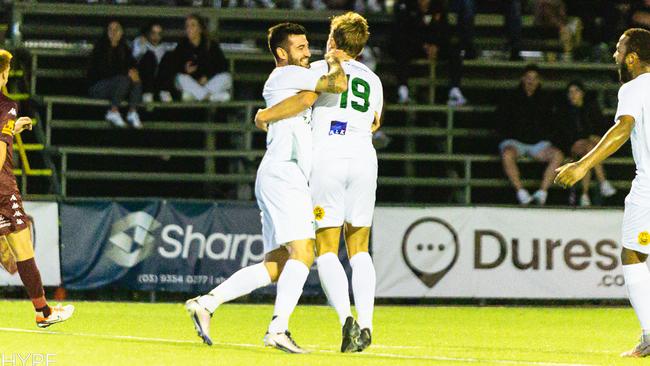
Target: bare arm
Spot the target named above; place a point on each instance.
(334, 81)
(571, 173)
(376, 123)
(285, 109)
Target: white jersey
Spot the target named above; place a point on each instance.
(634, 101)
(290, 139)
(342, 122)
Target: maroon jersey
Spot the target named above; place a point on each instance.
(8, 115)
(12, 215)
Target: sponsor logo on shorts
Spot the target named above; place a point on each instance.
(319, 213)
(644, 238)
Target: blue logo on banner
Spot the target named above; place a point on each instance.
(338, 128)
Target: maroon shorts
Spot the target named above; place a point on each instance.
(12, 214)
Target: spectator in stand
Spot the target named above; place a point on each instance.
(552, 13)
(200, 66)
(639, 15)
(512, 13)
(580, 125)
(113, 76)
(421, 30)
(152, 56)
(526, 129)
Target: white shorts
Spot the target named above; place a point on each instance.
(343, 190)
(636, 228)
(284, 198)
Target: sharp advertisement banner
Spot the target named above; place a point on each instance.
(45, 234)
(168, 246)
(480, 252)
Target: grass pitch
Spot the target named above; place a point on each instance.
(103, 333)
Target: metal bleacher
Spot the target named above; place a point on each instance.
(204, 150)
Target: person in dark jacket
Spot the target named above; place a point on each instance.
(113, 76)
(152, 55)
(526, 128)
(200, 65)
(580, 125)
(421, 30)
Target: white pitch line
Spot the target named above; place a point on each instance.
(246, 345)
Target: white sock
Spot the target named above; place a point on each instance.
(241, 283)
(363, 287)
(637, 281)
(290, 284)
(335, 284)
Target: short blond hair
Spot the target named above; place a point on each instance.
(350, 32)
(5, 60)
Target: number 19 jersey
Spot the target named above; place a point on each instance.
(344, 175)
(341, 123)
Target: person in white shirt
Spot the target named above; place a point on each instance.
(149, 52)
(632, 120)
(282, 192)
(344, 176)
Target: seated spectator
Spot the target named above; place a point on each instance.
(200, 65)
(421, 30)
(526, 129)
(580, 125)
(639, 15)
(552, 13)
(151, 55)
(113, 76)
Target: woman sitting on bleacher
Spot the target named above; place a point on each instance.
(200, 65)
(581, 124)
(152, 55)
(113, 76)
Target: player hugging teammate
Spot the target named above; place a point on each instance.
(328, 185)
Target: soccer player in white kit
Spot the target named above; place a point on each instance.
(282, 192)
(344, 177)
(632, 119)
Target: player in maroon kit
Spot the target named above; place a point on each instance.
(15, 234)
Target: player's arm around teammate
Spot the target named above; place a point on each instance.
(334, 82)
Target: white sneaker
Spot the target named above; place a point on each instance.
(283, 342)
(147, 98)
(165, 96)
(456, 98)
(607, 189)
(585, 201)
(115, 118)
(201, 319)
(187, 97)
(134, 119)
(403, 94)
(220, 97)
(524, 197)
(59, 314)
(641, 350)
(540, 197)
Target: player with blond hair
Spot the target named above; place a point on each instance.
(344, 176)
(16, 247)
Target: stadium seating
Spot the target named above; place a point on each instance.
(436, 154)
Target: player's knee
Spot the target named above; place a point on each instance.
(509, 153)
(327, 247)
(21, 246)
(356, 249)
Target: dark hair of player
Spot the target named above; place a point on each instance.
(279, 34)
(638, 41)
(350, 32)
(531, 67)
